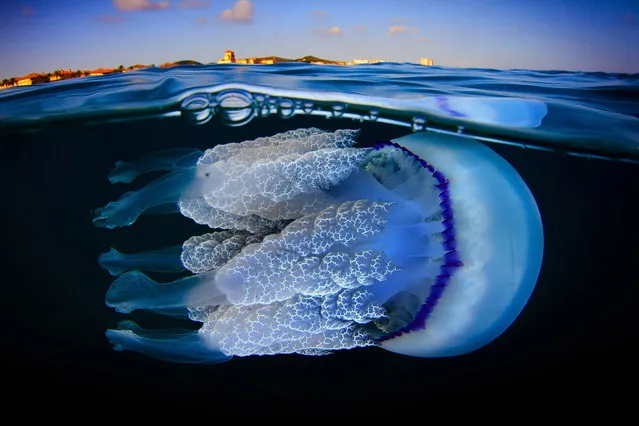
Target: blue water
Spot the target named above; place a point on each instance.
(592, 114)
(59, 141)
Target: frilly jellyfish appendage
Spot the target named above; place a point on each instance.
(428, 245)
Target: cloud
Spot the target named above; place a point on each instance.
(399, 29)
(26, 10)
(332, 31)
(318, 13)
(423, 39)
(109, 19)
(202, 20)
(193, 4)
(130, 5)
(360, 28)
(242, 11)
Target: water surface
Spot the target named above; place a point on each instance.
(58, 142)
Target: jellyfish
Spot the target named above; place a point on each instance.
(427, 245)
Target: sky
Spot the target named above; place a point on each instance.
(581, 35)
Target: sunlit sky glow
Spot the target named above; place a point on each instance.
(585, 35)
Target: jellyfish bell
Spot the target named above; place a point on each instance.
(429, 245)
(499, 237)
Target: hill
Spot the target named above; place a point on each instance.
(307, 59)
(187, 62)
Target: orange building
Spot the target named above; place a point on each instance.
(229, 57)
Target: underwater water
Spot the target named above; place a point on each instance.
(60, 141)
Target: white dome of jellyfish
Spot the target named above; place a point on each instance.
(428, 245)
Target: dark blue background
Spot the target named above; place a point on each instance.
(575, 337)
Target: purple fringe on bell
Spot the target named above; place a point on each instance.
(452, 261)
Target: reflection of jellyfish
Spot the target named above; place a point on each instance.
(427, 246)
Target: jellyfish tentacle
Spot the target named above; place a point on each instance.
(168, 159)
(175, 345)
(296, 325)
(202, 253)
(164, 260)
(167, 190)
(269, 148)
(134, 290)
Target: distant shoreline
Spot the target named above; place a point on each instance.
(42, 78)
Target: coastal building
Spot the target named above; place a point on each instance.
(426, 61)
(62, 75)
(99, 71)
(229, 57)
(246, 61)
(137, 67)
(365, 61)
(29, 79)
